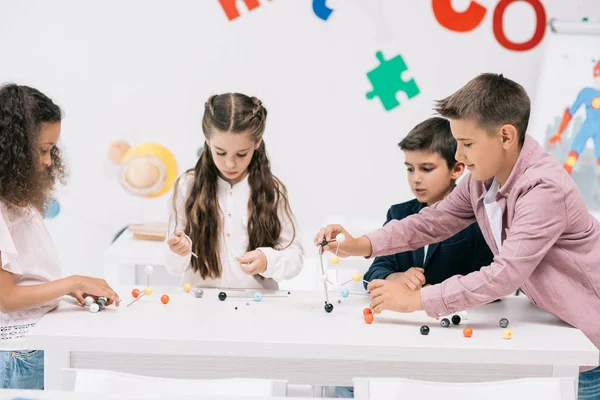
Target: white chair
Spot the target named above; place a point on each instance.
(112, 382)
(516, 389)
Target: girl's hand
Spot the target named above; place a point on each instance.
(253, 262)
(95, 287)
(80, 296)
(350, 247)
(180, 244)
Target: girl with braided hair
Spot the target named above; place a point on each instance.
(231, 225)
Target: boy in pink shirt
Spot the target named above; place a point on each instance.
(530, 211)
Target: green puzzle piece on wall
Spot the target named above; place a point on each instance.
(386, 80)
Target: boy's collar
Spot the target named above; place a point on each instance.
(418, 206)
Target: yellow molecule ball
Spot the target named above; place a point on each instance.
(507, 334)
(334, 260)
(356, 277)
(187, 287)
(148, 291)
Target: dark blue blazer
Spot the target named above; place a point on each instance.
(461, 254)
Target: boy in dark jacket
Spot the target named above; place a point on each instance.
(432, 170)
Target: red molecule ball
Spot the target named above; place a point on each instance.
(367, 311)
(369, 318)
(164, 299)
(135, 293)
(468, 332)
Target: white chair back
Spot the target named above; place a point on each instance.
(516, 389)
(112, 382)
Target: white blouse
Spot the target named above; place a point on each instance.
(28, 253)
(233, 241)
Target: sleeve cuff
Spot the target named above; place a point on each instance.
(379, 242)
(270, 255)
(433, 304)
(176, 264)
(178, 257)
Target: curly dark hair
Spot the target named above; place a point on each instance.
(23, 183)
(235, 113)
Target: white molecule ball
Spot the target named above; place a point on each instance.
(95, 307)
(89, 300)
(463, 315)
(149, 269)
(340, 238)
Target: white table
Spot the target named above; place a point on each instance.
(295, 339)
(126, 253)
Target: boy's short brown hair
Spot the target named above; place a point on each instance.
(491, 100)
(433, 135)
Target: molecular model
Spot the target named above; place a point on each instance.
(96, 306)
(257, 296)
(137, 295)
(335, 259)
(456, 319)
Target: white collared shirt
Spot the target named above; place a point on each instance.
(233, 241)
(494, 213)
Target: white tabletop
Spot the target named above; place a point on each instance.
(298, 327)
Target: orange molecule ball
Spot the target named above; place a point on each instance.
(135, 293)
(369, 318)
(367, 311)
(468, 332)
(164, 299)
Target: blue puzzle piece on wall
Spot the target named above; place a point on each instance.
(321, 10)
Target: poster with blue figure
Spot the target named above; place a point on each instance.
(565, 114)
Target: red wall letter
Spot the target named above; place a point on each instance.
(455, 21)
(231, 10)
(540, 29)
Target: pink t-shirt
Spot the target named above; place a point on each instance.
(29, 254)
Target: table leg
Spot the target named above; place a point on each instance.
(317, 391)
(54, 362)
(567, 371)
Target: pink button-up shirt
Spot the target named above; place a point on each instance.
(550, 243)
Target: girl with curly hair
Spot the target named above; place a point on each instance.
(30, 275)
(231, 223)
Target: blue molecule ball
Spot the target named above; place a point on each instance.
(257, 296)
(52, 209)
(345, 292)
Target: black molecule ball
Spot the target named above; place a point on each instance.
(222, 296)
(445, 322)
(328, 307)
(424, 330)
(456, 319)
(503, 323)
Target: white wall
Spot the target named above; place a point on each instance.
(141, 70)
